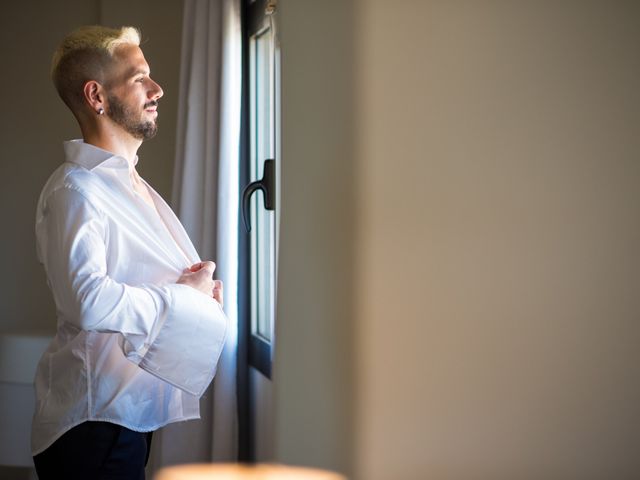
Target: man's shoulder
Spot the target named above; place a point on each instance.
(70, 176)
(73, 176)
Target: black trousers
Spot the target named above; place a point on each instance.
(95, 451)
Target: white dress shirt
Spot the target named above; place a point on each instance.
(132, 346)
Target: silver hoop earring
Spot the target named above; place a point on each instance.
(100, 111)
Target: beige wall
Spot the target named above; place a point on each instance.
(34, 122)
(496, 227)
(499, 276)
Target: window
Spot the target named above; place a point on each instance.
(262, 148)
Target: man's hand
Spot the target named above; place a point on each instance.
(218, 293)
(200, 277)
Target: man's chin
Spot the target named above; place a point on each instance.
(146, 131)
(151, 133)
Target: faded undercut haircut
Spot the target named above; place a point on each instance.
(85, 54)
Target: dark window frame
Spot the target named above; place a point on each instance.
(253, 350)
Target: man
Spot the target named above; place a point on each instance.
(140, 325)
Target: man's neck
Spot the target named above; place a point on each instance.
(121, 144)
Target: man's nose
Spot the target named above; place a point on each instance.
(156, 91)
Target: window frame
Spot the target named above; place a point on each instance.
(253, 350)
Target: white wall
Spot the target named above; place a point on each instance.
(34, 122)
(495, 230)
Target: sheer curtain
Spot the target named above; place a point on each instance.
(205, 197)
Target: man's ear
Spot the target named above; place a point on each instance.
(94, 95)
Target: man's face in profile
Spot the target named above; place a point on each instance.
(132, 96)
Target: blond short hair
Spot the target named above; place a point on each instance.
(85, 54)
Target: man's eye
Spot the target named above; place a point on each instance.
(141, 79)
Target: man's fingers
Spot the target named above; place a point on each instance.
(200, 276)
(208, 265)
(204, 276)
(218, 291)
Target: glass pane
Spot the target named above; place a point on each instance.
(262, 148)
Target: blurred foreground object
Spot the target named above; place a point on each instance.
(231, 471)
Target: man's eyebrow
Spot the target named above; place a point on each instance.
(138, 71)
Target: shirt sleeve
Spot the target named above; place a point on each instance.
(172, 331)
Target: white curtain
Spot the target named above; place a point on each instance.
(205, 197)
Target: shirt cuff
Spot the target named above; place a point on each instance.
(189, 341)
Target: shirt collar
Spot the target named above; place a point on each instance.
(89, 156)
